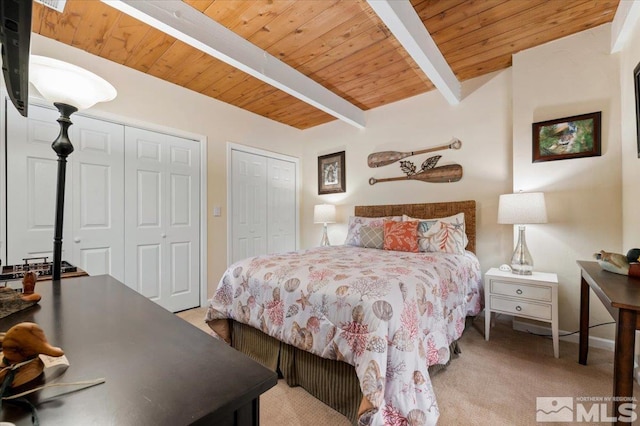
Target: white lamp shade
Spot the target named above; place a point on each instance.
(61, 82)
(522, 208)
(324, 213)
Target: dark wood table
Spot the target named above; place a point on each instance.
(620, 294)
(159, 369)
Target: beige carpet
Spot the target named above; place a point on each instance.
(491, 383)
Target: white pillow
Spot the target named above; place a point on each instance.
(446, 234)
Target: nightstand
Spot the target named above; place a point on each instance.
(528, 296)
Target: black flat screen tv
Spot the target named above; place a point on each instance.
(15, 37)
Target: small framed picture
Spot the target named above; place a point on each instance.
(331, 173)
(569, 137)
(636, 80)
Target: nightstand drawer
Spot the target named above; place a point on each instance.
(521, 290)
(518, 307)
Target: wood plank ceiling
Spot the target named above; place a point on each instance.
(341, 44)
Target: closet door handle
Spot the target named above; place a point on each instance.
(76, 240)
(163, 235)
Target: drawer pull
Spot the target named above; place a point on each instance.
(518, 308)
(518, 291)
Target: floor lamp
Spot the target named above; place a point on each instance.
(70, 88)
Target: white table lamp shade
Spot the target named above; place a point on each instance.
(324, 213)
(522, 208)
(61, 82)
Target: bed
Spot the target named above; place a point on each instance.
(359, 328)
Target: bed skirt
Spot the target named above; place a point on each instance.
(335, 383)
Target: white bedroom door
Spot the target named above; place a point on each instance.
(162, 225)
(94, 216)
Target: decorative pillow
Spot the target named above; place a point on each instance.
(445, 234)
(372, 237)
(356, 222)
(401, 236)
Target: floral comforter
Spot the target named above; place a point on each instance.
(389, 314)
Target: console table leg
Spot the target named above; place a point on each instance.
(623, 361)
(584, 322)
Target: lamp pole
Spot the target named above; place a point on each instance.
(63, 147)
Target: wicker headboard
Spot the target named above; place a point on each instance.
(428, 211)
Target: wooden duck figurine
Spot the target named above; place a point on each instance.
(22, 342)
(13, 301)
(613, 262)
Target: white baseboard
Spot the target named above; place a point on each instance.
(594, 342)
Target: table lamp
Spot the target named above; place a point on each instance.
(70, 88)
(521, 209)
(324, 213)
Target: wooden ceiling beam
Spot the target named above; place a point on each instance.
(187, 24)
(405, 24)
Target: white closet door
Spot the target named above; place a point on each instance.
(98, 197)
(248, 205)
(94, 215)
(162, 230)
(31, 185)
(281, 205)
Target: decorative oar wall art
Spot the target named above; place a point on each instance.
(428, 171)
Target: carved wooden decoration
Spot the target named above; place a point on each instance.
(442, 174)
(428, 171)
(384, 158)
(23, 342)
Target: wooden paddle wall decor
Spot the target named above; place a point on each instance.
(384, 158)
(428, 171)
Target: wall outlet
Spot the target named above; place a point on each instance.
(217, 212)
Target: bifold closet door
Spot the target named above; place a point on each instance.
(98, 197)
(281, 205)
(248, 205)
(94, 213)
(263, 205)
(162, 224)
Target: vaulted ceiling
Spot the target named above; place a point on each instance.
(343, 45)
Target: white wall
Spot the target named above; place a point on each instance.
(571, 76)
(629, 59)
(148, 101)
(482, 122)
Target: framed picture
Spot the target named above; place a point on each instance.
(331, 173)
(636, 80)
(569, 137)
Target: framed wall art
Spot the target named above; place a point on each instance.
(332, 173)
(636, 81)
(568, 137)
